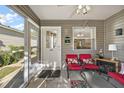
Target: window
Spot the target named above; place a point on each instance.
(34, 30)
(10, 18)
(51, 39)
(11, 48)
(84, 38)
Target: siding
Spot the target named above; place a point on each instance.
(10, 36)
(67, 31)
(114, 22)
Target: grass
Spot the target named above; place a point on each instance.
(5, 71)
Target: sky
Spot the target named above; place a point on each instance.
(10, 18)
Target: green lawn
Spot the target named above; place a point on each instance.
(4, 72)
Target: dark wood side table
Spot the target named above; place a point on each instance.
(107, 63)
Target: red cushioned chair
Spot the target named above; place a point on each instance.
(89, 65)
(72, 63)
(117, 76)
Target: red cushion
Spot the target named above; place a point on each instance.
(90, 67)
(117, 76)
(74, 67)
(71, 56)
(85, 56)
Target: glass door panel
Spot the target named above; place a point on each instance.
(33, 48)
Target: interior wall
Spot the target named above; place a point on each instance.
(67, 25)
(111, 24)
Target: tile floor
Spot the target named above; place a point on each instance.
(95, 81)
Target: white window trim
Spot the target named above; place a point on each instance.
(31, 21)
(95, 43)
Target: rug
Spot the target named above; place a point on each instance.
(78, 84)
(49, 74)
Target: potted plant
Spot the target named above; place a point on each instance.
(100, 54)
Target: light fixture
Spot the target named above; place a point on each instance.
(80, 35)
(83, 9)
(112, 47)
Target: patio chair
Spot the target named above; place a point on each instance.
(87, 62)
(72, 63)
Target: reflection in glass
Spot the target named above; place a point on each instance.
(50, 39)
(84, 37)
(34, 43)
(82, 43)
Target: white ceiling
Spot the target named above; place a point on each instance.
(64, 12)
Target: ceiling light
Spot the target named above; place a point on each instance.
(80, 35)
(77, 11)
(79, 6)
(83, 9)
(87, 7)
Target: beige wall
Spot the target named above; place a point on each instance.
(11, 37)
(112, 23)
(67, 31)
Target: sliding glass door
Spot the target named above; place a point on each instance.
(19, 46)
(33, 47)
(11, 47)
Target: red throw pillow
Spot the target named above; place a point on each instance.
(88, 61)
(72, 61)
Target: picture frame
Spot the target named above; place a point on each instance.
(119, 32)
(67, 40)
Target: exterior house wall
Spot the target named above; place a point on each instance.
(10, 36)
(67, 25)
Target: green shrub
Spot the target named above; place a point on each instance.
(18, 55)
(21, 47)
(1, 61)
(21, 54)
(13, 48)
(12, 56)
(12, 59)
(6, 58)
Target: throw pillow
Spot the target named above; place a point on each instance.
(87, 61)
(72, 61)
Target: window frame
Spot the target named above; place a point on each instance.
(19, 13)
(91, 37)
